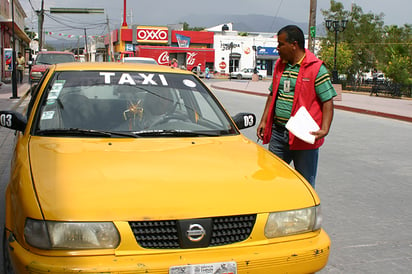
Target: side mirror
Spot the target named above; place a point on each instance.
(13, 120)
(244, 120)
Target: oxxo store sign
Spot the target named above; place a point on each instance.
(151, 35)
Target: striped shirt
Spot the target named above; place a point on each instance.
(284, 101)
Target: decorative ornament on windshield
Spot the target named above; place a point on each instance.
(135, 110)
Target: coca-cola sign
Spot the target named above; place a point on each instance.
(152, 35)
(163, 58)
(191, 58)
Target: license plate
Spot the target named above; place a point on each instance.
(213, 268)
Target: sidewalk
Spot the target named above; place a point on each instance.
(6, 92)
(387, 107)
(7, 135)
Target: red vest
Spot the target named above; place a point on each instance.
(305, 95)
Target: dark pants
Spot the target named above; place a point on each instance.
(304, 161)
(20, 74)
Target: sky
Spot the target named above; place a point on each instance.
(163, 12)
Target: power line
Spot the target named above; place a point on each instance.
(276, 15)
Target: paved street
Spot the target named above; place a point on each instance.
(363, 183)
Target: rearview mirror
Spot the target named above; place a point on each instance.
(244, 120)
(13, 120)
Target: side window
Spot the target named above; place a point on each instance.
(34, 90)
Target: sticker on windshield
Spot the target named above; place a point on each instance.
(47, 115)
(56, 89)
(189, 83)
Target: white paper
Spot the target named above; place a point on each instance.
(302, 124)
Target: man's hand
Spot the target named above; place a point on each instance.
(319, 134)
(261, 130)
(327, 115)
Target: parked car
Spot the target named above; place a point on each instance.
(130, 168)
(144, 60)
(46, 58)
(247, 73)
(380, 78)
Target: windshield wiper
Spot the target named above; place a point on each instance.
(175, 133)
(84, 132)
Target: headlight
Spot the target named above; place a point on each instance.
(71, 235)
(36, 74)
(293, 222)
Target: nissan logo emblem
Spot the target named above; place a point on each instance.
(196, 232)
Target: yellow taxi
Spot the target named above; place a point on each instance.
(136, 168)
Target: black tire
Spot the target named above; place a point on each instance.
(239, 76)
(7, 267)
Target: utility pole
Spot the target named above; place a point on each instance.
(111, 54)
(40, 14)
(14, 60)
(312, 25)
(85, 44)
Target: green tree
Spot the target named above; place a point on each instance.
(186, 27)
(343, 57)
(361, 33)
(30, 34)
(397, 62)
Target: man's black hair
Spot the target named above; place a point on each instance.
(293, 33)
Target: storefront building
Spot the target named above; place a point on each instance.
(189, 48)
(220, 48)
(6, 36)
(234, 52)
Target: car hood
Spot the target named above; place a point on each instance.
(39, 67)
(149, 178)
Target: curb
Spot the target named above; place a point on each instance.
(340, 107)
(15, 106)
(241, 91)
(375, 113)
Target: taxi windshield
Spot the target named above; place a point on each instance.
(83, 103)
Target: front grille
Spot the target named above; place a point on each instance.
(156, 234)
(165, 234)
(231, 229)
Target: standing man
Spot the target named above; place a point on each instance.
(299, 79)
(198, 70)
(21, 63)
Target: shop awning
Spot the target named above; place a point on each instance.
(17, 31)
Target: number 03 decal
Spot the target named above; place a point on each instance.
(5, 120)
(249, 120)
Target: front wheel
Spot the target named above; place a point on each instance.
(7, 267)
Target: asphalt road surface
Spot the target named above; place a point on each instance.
(364, 183)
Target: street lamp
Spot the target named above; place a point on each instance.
(335, 26)
(231, 60)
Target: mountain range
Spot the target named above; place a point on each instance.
(241, 23)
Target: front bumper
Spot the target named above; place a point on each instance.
(297, 256)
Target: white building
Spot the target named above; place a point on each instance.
(234, 52)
